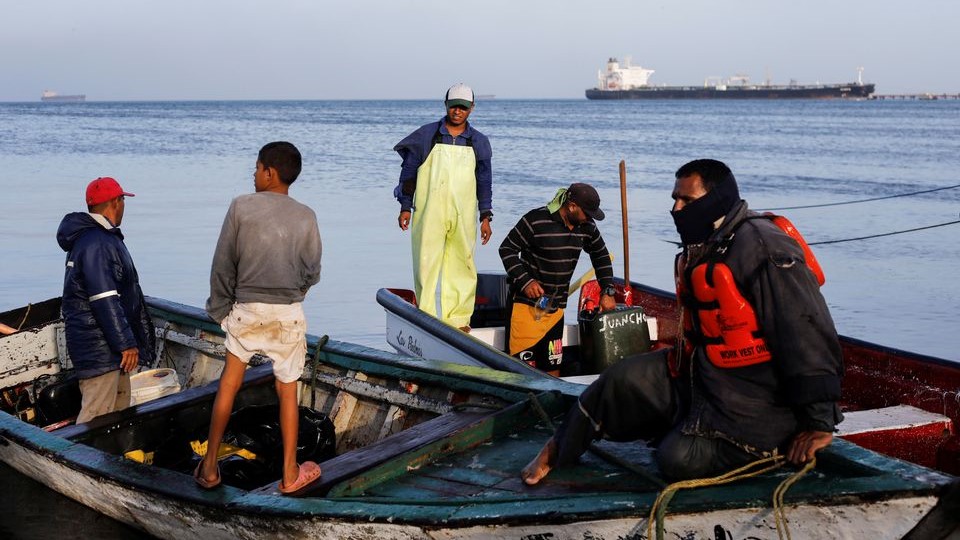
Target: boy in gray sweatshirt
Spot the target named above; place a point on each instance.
(266, 259)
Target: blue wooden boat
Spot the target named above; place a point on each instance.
(424, 449)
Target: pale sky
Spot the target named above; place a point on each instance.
(410, 49)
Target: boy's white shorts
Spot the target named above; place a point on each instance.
(278, 331)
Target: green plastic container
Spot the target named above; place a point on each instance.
(608, 337)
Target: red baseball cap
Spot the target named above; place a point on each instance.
(104, 189)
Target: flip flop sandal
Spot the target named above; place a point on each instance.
(309, 473)
(203, 482)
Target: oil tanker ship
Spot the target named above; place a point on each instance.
(631, 82)
(50, 95)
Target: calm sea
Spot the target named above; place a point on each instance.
(186, 160)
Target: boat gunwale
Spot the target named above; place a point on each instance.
(884, 349)
(374, 361)
(472, 346)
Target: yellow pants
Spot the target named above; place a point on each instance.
(444, 234)
(538, 342)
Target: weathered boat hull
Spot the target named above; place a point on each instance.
(428, 449)
(167, 505)
(412, 332)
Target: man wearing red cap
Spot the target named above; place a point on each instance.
(108, 330)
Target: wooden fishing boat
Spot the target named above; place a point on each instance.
(896, 402)
(412, 332)
(423, 449)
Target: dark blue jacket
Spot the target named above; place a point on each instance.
(415, 148)
(104, 311)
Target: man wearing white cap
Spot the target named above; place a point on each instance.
(107, 327)
(445, 184)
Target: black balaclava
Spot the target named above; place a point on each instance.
(695, 221)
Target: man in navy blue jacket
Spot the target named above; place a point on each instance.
(445, 180)
(108, 330)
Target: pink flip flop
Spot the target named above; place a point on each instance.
(203, 482)
(309, 473)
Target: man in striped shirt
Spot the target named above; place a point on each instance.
(540, 255)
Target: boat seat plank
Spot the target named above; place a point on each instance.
(492, 471)
(901, 431)
(488, 427)
(421, 487)
(888, 418)
(349, 464)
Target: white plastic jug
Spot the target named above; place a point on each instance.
(152, 384)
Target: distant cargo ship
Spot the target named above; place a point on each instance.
(631, 82)
(50, 95)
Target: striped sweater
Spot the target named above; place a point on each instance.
(541, 247)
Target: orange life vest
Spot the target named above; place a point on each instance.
(731, 336)
(808, 255)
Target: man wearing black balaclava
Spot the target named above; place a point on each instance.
(757, 367)
(707, 190)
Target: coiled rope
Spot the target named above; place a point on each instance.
(659, 509)
(778, 511)
(859, 200)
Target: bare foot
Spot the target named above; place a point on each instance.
(540, 466)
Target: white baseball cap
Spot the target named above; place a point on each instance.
(459, 94)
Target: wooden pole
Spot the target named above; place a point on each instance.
(623, 207)
(628, 297)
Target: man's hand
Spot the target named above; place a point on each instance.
(129, 361)
(805, 444)
(533, 290)
(404, 220)
(607, 302)
(485, 231)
